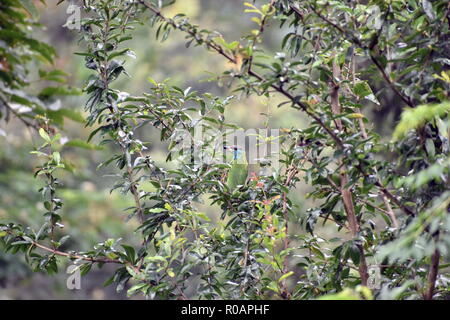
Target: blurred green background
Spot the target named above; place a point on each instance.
(91, 213)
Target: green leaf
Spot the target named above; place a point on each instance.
(56, 157)
(44, 135)
(363, 91)
(47, 205)
(286, 275)
(354, 254)
(137, 287)
(347, 294)
(431, 150)
(118, 53)
(130, 252)
(85, 268)
(417, 117)
(155, 210)
(30, 7)
(273, 286)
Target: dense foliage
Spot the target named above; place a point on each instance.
(390, 200)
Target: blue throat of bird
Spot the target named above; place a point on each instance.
(237, 154)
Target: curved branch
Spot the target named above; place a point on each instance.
(75, 256)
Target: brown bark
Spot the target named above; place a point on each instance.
(347, 198)
(433, 272)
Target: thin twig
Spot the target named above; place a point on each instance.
(18, 116)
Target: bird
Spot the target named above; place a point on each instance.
(237, 175)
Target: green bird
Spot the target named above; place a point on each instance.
(237, 175)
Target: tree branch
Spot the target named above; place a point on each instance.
(347, 197)
(374, 59)
(75, 256)
(433, 272)
(281, 90)
(18, 116)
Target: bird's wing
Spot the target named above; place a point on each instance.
(237, 174)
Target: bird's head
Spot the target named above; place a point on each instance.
(237, 151)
